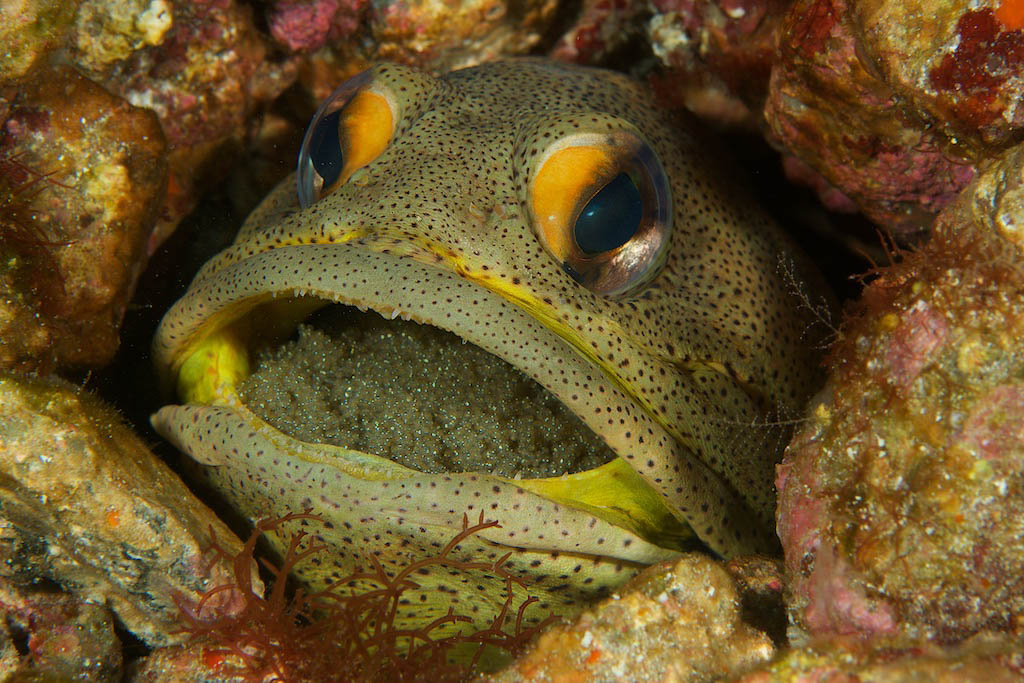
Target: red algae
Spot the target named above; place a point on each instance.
(813, 29)
(342, 633)
(985, 58)
(20, 231)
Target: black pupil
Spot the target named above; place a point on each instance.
(325, 148)
(611, 217)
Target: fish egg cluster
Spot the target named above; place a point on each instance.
(417, 395)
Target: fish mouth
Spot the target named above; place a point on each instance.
(211, 341)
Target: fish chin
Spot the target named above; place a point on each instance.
(417, 395)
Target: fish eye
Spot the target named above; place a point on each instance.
(349, 130)
(600, 204)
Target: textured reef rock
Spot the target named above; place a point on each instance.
(436, 36)
(82, 176)
(901, 502)
(961, 64)
(894, 104)
(47, 636)
(833, 109)
(83, 503)
(602, 27)
(194, 663)
(882, 106)
(676, 621)
(718, 55)
(445, 36)
(201, 66)
(849, 661)
(29, 31)
(304, 26)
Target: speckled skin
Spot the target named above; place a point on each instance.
(672, 376)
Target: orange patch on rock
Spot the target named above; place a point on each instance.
(1011, 14)
(212, 659)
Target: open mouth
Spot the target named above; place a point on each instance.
(417, 395)
(477, 384)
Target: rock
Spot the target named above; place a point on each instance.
(960, 64)
(717, 55)
(84, 176)
(110, 32)
(676, 621)
(84, 503)
(442, 37)
(880, 105)
(759, 582)
(303, 26)
(62, 638)
(202, 67)
(191, 663)
(982, 659)
(29, 31)
(602, 27)
(901, 502)
(832, 108)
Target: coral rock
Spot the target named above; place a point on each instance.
(676, 621)
(29, 31)
(445, 36)
(718, 55)
(901, 503)
(302, 26)
(63, 638)
(73, 241)
(109, 32)
(191, 663)
(85, 504)
(960, 63)
(830, 107)
(201, 66)
(846, 661)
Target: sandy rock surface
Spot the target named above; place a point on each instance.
(49, 636)
(82, 176)
(992, 660)
(676, 621)
(84, 504)
(901, 502)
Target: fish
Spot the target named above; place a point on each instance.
(552, 216)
